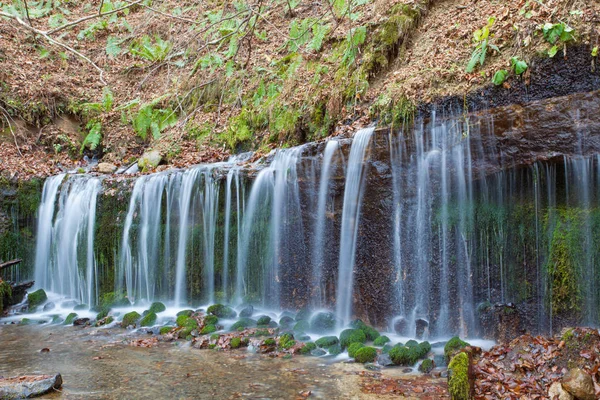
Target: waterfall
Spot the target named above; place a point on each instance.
(353, 191)
(210, 202)
(273, 203)
(318, 244)
(67, 242)
(139, 266)
(233, 179)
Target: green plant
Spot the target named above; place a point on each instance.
(94, 136)
(355, 38)
(499, 77)
(149, 118)
(154, 51)
(518, 65)
(481, 39)
(557, 33)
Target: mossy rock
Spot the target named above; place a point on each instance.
(149, 319)
(186, 313)
(327, 341)
(113, 300)
(318, 352)
(57, 319)
(165, 329)
(323, 322)
(247, 312)
(357, 324)
(235, 342)
(157, 307)
(36, 298)
(70, 318)
(427, 366)
(381, 341)
(222, 311)
(301, 326)
(80, 307)
(409, 355)
(303, 314)
(349, 336)
(458, 377)
(182, 319)
(286, 321)
(261, 332)
(243, 323)
(211, 320)
(307, 348)
(365, 354)
(286, 341)
(27, 321)
(353, 348)
(270, 342)
(411, 343)
(453, 346)
(387, 347)
(334, 350)
(215, 337)
(371, 333)
(130, 319)
(302, 337)
(263, 320)
(102, 314)
(208, 329)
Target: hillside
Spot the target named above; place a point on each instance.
(200, 81)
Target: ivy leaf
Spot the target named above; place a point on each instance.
(499, 77)
(552, 52)
(595, 51)
(112, 46)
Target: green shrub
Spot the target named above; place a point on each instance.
(371, 333)
(286, 341)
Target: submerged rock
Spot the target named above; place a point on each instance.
(247, 311)
(157, 307)
(222, 311)
(21, 387)
(323, 322)
(422, 327)
(149, 160)
(579, 384)
(49, 306)
(106, 168)
(81, 321)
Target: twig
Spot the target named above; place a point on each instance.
(100, 7)
(83, 19)
(6, 116)
(27, 12)
(56, 42)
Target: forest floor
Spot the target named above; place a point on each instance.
(200, 81)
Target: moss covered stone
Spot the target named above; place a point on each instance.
(286, 321)
(130, 319)
(208, 329)
(353, 348)
(371, 333)
(270, 342)
(165, 329)
(381, 341)
(149, 319)
(102, 314)
(157, 307)
(113, 300)
(80, 307)
(263, 320)
(211, 320)
(303, 314)
(327, 341)
(349, 336)
(453, 346)
(334, 350)
(323, 322)
(235, 343)
(427, 366)
(27, 321)
(182, 319)
(36, 298)
(286, 341)
(301, 326)
(222, 311)
(243, 323)
(365, 354)
(409, 354)
(70, 318)
(458, 377)
(307, 348)
(186, 313)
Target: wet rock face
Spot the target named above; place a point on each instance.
(28, 386)
(500, 322)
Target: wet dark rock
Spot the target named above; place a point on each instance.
(81, 321)
(303, 315)
(28, 386)
(247, 311)
(81, 307)
(384, 360)
(318, 352)
(287, 322)
(49, 306)
(263, 320)
(422, 327)
(36, 298)
(579, 384)
(407, 370)
(427, 366)
(500, 322)
(69, 304)
(323, 322)
(222, 311)
(401, 326)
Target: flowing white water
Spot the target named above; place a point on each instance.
(233, 179)
(318, 244)
(210, 202)
(70, 242)
(353, 193)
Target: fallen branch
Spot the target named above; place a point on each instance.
(55, 42)
(9, 264)
(7, 117)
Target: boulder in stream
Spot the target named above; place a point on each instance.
(579, 384)
(21, 387)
